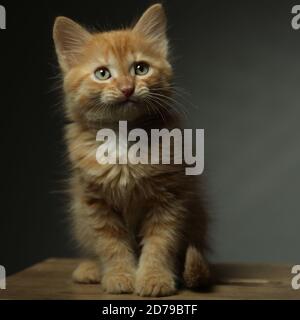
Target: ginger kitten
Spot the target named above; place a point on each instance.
(142, 226)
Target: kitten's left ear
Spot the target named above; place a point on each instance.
(69, 38)
(153, 25)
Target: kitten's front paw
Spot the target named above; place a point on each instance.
(118, 283)
(87, 272)
(155, 284)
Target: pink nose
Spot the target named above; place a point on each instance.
(127, 91)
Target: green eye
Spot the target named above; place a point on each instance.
(102, 73)
(141, 68)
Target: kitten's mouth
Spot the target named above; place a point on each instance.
(128, 103)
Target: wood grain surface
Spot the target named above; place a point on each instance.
(51, 279)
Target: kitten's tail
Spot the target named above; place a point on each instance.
(196, 270)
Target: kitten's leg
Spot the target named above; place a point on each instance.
(87, 272)
(161, 243)
(196, 270)
(113, 247)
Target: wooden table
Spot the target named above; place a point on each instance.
(51, 279)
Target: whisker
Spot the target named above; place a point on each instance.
(171, 102)
(179, 92)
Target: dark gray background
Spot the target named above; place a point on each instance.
(240, 61)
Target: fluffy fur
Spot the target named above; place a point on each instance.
(138, 223)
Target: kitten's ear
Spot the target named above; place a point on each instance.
(153, 25)
(69, 39)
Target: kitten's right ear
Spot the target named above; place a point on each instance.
(69, 39)
(152, 25)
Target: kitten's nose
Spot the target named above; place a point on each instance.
(127, 91)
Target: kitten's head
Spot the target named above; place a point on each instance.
(123, 74)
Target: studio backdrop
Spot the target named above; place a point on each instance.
(238, 61)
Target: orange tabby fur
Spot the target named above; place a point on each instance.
(138, 223)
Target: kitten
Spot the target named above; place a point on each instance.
(143, 226)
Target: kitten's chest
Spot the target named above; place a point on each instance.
(125, 187)
(124, 194)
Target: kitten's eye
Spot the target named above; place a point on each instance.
(102, 73)
(141, 68)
